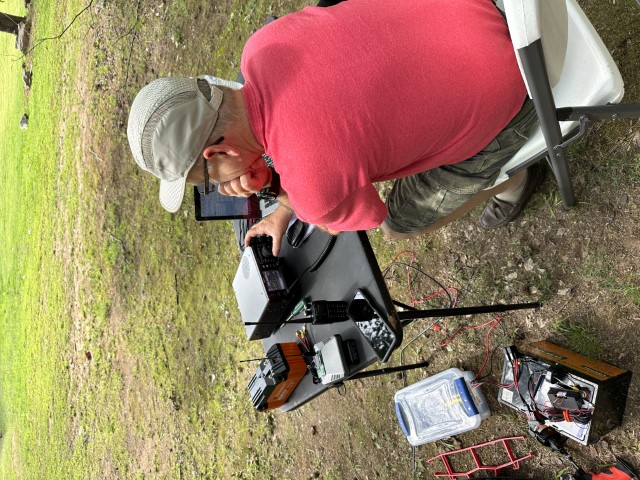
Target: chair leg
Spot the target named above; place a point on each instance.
(533, 64)
(561, 172)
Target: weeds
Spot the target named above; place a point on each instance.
(581, 338)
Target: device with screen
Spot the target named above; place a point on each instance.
(373, 326)
(215, 206)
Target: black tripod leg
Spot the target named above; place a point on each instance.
(384, 371)
(462, 311)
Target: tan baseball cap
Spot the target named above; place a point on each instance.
(170, 121)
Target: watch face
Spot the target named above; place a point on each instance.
(266, 194)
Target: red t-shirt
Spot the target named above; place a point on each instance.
(373, 90)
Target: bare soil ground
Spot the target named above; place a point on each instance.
(583, 263)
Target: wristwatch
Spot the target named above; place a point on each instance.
(273, 190)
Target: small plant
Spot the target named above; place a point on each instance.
(581, 338)
(632, 290)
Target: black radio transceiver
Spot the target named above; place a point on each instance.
(261, 289)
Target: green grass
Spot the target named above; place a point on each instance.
(14, 245)
(598, 268)
(80, 274)
(89, 262)
(39, 181)
(580, 338)
(11, 219)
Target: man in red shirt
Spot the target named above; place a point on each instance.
(425, 93)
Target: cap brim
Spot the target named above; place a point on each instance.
(172, 193)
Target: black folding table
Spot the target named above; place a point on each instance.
(351, 265)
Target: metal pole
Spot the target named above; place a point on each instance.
(533, 64)
(462, 311)
(599, 112)
(384, 371)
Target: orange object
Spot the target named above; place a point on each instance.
(277, 376)
(599, 371)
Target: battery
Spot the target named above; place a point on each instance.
(604, 385)
(277, 376)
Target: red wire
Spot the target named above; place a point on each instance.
(465, 329)
(413, 255)
(476, 384)
(455, 291)
(494, 322)
(497, 320)
(415, 301)
(516, 378)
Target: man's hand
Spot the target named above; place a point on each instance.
(255, 179)
(275, 225)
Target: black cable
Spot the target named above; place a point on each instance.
(450, 305)
(516, 385)
(488, 374)
(326, 250)
(410, 308)
(323, 254)
(420, 271)
(533, 407)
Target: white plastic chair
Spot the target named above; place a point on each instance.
(564, 64)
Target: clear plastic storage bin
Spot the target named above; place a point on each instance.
(440, 406)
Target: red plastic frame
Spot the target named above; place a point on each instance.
(513, 461)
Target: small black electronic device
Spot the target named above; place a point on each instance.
(373, 325)
(563, 399)
(324, 312)
(261, 289)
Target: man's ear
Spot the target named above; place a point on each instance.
(220, 149)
